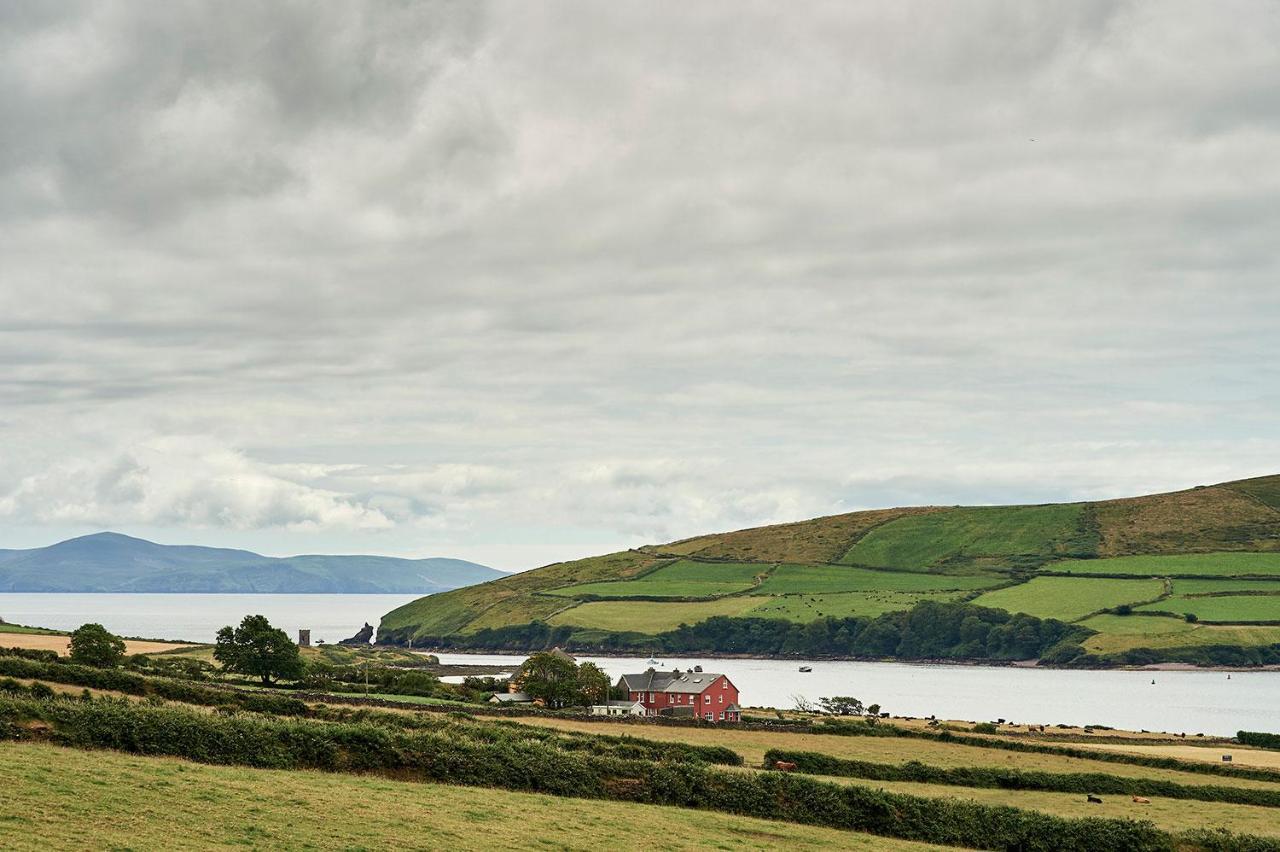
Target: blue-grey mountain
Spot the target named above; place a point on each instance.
(110, 562)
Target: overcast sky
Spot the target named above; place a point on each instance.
(528, 281)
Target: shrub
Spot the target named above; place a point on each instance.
(93, 645)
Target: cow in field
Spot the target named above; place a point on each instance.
(784, 766)
(1094, 800)
(1141, 800)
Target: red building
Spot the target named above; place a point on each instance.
(692, 694)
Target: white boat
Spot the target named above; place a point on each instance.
(652, 662)
(806, 668)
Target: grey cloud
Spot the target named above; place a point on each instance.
(547, 279)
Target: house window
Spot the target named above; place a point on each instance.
(721, 699)
(724, 684)
(721, 715)
(706, 699)
(651, 696)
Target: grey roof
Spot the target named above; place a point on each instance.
(693, 682)
(655, 681)
(511, 697)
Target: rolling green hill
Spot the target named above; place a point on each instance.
(1122, 572)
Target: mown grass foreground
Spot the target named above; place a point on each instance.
(58, 797)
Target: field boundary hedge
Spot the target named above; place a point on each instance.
(815, 763)
(1259, 739)
(535, 767)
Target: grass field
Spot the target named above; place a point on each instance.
(62, 643)
(63, 798)
(682, 579)
(818, 540)
(1209, 564)
(518, 610)
(1211, 587)
(923, 541)
(1068, 598)
(753, 744)
(1237, 608)
(820, 579)
(1121, 633)
(649, 616)
(805, 608)
(18, 628)
(1168, 814)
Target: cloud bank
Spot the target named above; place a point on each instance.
(519, 283)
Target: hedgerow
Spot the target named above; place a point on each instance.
(1005, 744)
(130, 683)
(260, 741)
(816, 763)
(1259, 739)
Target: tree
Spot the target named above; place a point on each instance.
(841, 705)
(257, 649)
(551, 677)
(92, 645)
(593, 684)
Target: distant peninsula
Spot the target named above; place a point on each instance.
(111, 562)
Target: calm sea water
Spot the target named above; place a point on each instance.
(197, 618)
(1193, 702)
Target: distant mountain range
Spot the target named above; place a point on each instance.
(110, 562)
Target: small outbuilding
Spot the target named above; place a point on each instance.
(618, 708)
(510, 698)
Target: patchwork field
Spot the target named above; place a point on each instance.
(924, 541)
(105, 800)
(805, 608)
(819, 579)
(682, 579)
(1068, 598)
(1232, 608)
(871, 563)
(1121, 633)
(649, 616)
(1223, 564)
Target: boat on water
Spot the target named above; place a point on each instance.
(652, 662)
(806, 668)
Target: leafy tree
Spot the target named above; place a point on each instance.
(93, 645)
(257, 649)
(593, 684)
(841, 705)
(551, 677)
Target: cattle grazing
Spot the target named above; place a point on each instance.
(784, 766)
(1094, 800)
(1141, 800)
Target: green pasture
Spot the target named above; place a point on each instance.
(806, 608)
(682, 579)
(1070, 598)
(649, 616)
(1208, 564)
(1121, 633)
(1211, 587)
(1243, 607)
(918, 542)
(825, 579)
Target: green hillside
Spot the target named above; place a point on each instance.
(1124, 573)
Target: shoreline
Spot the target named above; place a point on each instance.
(989, 664)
